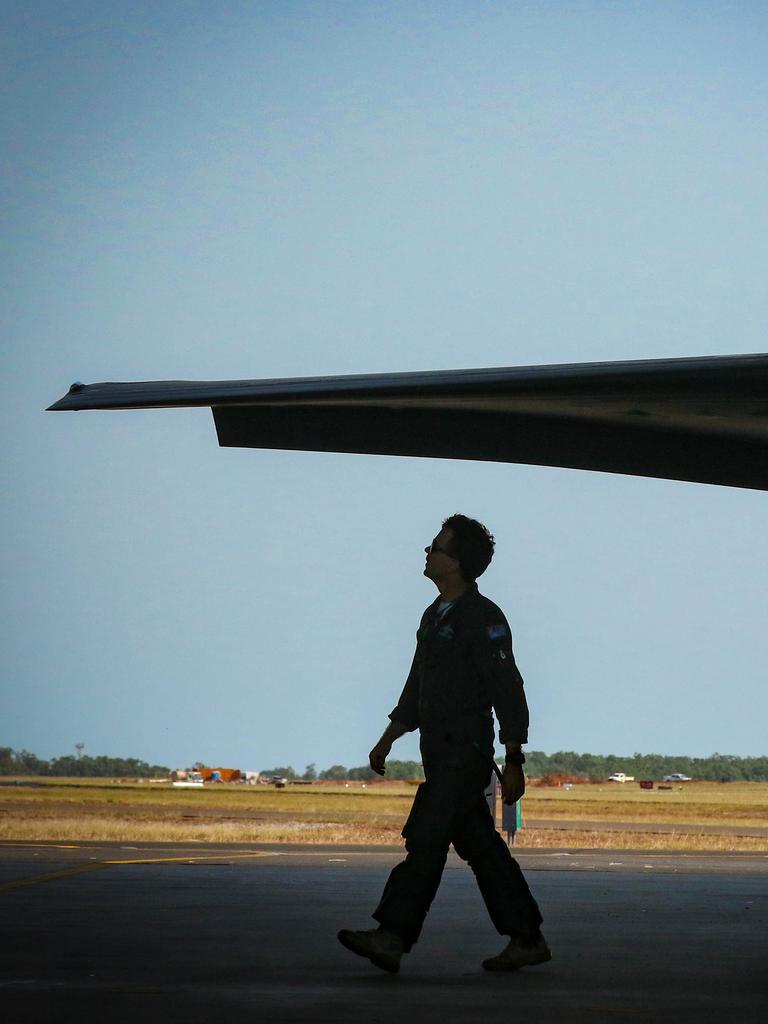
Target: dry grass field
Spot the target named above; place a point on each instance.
(701, 803)
(98, 809)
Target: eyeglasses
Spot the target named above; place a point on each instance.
(435, 547)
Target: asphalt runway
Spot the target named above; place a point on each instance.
(200, 933)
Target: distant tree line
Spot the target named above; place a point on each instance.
(338, 773)
(716, 768)
(22, 762)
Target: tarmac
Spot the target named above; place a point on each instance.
(198, 933)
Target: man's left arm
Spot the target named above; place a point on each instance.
(495, 662)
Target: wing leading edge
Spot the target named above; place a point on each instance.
(703, 419)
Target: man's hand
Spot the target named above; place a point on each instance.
(378, 755)
(380, 752)
(512, 783)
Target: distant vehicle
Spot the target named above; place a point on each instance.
(188, 780)
(677, 777)
(621, 777)
(279, 781)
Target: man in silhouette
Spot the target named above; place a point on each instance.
(463, 667)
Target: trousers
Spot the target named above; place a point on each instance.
(450, 808)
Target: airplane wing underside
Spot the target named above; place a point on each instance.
(701, 419)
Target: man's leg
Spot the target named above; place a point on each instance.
(413, 883)
(505, 891)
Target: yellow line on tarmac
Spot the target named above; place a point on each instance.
(44, 846)
(52, 876)
(192, 859)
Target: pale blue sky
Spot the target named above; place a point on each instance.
(229, 190)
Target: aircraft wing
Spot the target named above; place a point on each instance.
(701, 419)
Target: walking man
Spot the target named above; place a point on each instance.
(463, 668)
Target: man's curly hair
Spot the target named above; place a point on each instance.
(472, 545)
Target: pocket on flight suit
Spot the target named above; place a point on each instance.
(438, 804)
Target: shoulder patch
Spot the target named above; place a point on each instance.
(497, 632)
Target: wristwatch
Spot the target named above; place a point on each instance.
(516, 759)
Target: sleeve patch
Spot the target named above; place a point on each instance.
(497, 632)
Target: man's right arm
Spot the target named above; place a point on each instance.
(380, 752)
(403, 718)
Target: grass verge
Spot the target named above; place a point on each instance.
(130, 830)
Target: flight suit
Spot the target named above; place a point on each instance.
(462, 669)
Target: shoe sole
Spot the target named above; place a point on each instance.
(347, 940)
(500, 966)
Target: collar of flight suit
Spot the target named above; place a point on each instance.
(459, 603)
